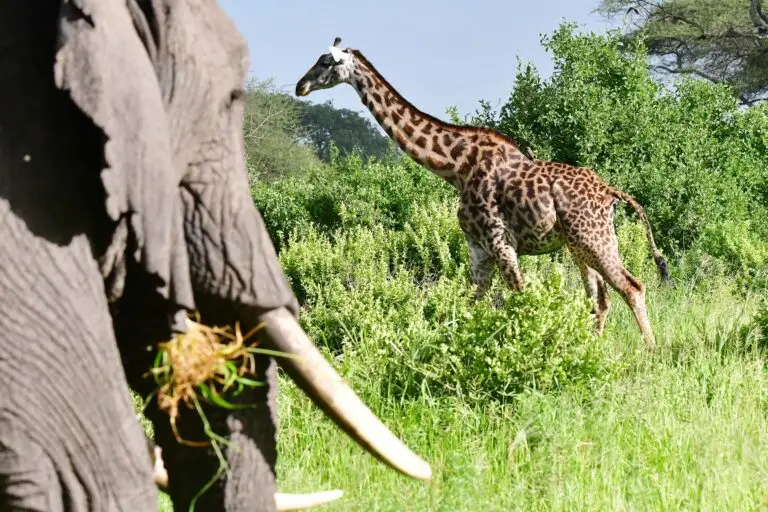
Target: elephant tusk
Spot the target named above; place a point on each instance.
(283, 501)
(301, 501)
(317, 378)
(159, 474)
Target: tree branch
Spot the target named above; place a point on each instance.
(689, 71)
(758, 17)
(746, 101)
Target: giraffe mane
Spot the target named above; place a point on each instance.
(438, 122)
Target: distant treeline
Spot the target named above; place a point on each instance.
(284, 134)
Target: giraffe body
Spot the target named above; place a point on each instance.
(510, 204)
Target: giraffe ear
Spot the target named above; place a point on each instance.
(338, 55)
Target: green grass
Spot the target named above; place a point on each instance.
(683, 428)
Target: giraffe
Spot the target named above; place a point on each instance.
(510, 204)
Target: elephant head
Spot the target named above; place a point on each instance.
(132, 114)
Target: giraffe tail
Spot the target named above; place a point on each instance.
(661, 263)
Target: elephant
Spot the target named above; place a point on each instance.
(124, 209)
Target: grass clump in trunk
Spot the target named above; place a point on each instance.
(204, 363)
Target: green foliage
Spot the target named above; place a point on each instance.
(633, 247)
(712, 39)
(286, 136)
(271, 128)
(733, 242)
(756, 331)
(424, 336)
(538, 340)
(696, 162)
(325, 126)
(348, 193)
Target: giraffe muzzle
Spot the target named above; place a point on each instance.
(302, 89)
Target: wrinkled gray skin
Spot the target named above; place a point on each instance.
(123, 202)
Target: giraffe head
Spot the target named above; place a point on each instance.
(330, 70)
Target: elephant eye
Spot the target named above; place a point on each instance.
(235, 95)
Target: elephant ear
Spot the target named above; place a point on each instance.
(104, 62)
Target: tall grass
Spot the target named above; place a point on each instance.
(683, 428)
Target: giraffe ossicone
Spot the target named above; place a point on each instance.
(510, 204)
(337, 54)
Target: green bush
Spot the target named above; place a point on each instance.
(695, 160)
(755, 332)
(734, 243)
(346, 194)
(540, 339)
(634, 250)
(410, 323)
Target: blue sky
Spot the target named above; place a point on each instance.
(435, 52)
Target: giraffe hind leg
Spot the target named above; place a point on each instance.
(597, 292)
(593, 242)
(608, 263)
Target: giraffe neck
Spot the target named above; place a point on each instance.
(447, 150)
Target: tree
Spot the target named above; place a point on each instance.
(324, 124)
(723, 41)
(271, 127)
(285, 135)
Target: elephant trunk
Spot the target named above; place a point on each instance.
(317, 378)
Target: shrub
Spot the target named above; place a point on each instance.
(755, 332)
(540, 339)
(744, 254)
(346, 194)
(695, 160)
(364, 301)
(634, 250)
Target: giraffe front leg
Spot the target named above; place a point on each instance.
(482, 269)
(506, 258)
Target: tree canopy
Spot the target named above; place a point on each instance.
(723, 41)
(284, 135)
(271, 127)
(323, 124)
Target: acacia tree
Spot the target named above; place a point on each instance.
(723, 41)
(271, 127)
